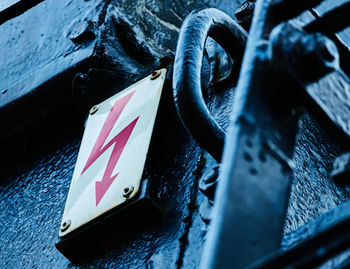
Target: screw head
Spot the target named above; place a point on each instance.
(155, 74)
(65, 225)
(128, 191)
(94, 109)
(327, 50)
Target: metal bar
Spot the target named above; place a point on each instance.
(253, 188)
(283, 10)
(322, 239)
(252, 191)
(9, 11)
(332, 22)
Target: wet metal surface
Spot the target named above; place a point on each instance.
(32, 197)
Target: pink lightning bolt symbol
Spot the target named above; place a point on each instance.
(119, 142)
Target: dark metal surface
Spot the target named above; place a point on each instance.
(95, 48)
(41, 131)
(33, 202)
(254, 184)
(249, 214)
(329, 239)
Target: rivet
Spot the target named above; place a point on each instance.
(128, 191)
(155, 74)
(65, 225)
(94, 109)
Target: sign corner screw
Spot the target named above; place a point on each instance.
(128, 191)
(155, 74)
(94, 109)
(65, 225)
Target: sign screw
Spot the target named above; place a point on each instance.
(128, 191)
(65, 225)
(94, 109)
(155, 74)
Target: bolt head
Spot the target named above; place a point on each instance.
(128, 191)
(327, 50)
(94, 109)
(155, 74)
(65, 225)
(245, 11)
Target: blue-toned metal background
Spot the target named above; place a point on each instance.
(93, 49)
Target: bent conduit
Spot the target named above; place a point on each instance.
(188, 97)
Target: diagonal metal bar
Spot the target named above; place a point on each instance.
(324, 238)
(11, 9)
(332, 22)
(253, 188)
(283, 10)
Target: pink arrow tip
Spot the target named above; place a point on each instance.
(102, 186)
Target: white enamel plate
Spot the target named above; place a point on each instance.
(113, 152)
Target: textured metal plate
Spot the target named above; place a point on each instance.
(113, 153)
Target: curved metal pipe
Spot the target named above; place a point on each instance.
(188, 97)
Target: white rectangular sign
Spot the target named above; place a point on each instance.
(113, 152)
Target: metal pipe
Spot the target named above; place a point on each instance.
(188, 97)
